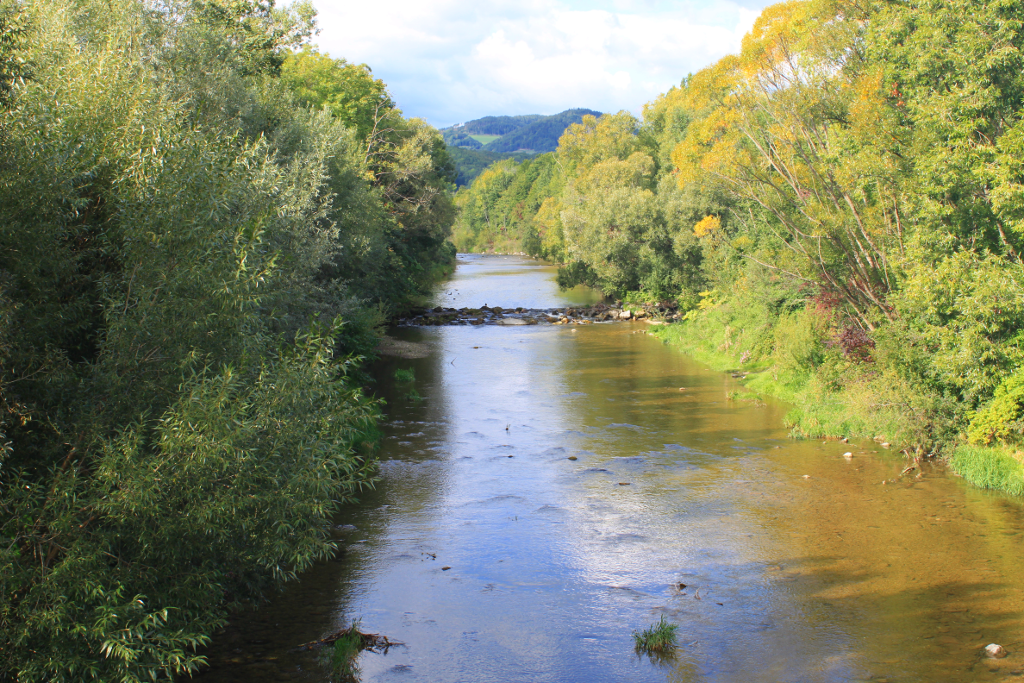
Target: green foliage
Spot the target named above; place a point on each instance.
(192, 261)
(1000, 420)
(349, 91)
(659, 638)
(500, 211)
(470, 163)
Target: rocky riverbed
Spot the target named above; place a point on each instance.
(499, 315)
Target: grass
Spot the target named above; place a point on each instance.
(484, 139)
(404, 376)
(343, 655)
(990, 467)
(659, 638)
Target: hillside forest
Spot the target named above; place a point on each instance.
(203, 222)
(838, 210)
(476, 144)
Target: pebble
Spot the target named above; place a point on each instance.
(572, 457)
(807, 476)
(445, 568)
(848, 455)
(995, 651)
(623, 483)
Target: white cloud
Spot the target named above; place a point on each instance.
(455, 60)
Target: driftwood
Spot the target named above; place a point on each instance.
(373, 642)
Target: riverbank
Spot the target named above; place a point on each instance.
(831, 399)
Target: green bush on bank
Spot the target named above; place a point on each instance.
(193, 255)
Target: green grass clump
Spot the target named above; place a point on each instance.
(343, 655)
(657, 639)
(404, 376)
(990, 467)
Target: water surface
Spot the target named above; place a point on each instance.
(559, 487)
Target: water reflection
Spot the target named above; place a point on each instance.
(556, 490)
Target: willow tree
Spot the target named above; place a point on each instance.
(791, 125)
(177, 425)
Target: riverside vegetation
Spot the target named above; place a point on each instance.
(201, 224)
(839, 209)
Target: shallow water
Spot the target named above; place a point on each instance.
(493, 556)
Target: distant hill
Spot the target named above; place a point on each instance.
(497, 125)
(530, 133)
(520, 136)
(540, 135)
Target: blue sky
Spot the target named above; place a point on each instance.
(450, 61)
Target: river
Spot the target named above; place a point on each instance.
(547, 490)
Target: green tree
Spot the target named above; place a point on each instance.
(177, 420)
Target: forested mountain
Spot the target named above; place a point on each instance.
(520, 136)
(199, 231)
(839, 206)
(496, 125)
(531, 133)
(540, 135)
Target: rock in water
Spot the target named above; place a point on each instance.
(512, 321)
(995, 651)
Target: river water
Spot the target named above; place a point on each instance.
(558, 487)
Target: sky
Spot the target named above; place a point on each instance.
(451, 61)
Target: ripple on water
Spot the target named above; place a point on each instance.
(493, 501)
